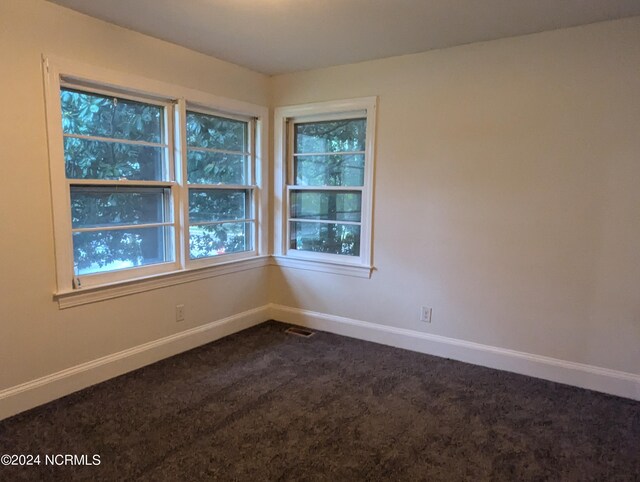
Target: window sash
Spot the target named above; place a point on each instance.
(168, 125)
(291, 186)
(168, 225)
(290, 150)
(250, 186)
(250, 238)
(169, 237)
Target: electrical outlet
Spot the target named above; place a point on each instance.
(179, 312)
(425, 314)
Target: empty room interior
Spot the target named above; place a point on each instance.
(320, 240)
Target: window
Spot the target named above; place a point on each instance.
(150, 182)
(220, 176)
(119, 172)
(325, 169)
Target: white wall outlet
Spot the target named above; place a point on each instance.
(179, 312)
(425, 314)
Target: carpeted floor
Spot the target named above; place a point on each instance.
(265, 405)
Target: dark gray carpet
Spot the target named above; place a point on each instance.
(264, 405)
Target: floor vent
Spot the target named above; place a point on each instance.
(293, 330)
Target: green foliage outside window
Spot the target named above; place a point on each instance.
(329, 153)
(217, 154)
(109, 138)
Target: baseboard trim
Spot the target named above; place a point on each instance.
(604, 380)
(27, 395)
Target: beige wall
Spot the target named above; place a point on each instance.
(36, 338)
(507, 194)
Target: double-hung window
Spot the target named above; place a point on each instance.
(119, 170)
(220, 176)
(324, 156)
(150, 179)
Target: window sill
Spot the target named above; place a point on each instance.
(358, 271)
(83, 296)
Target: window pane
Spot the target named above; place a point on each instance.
(105, 116)
(330, 205)
(325, 238)
(216, 168)
(332, 170)
(108, 206)
(100, 251)
(215, 132)
(217, 239)
(218, 205)
(331, 136)
(85, 159)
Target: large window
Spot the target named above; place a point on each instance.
(326, 167)
(119, 171)
(150, 182)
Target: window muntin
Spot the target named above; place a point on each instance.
(327, 167)
(116, 153)
(220, 172)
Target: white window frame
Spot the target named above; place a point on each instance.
(284, 119)
(251, 185)
(60, 73)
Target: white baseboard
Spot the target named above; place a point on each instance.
(577, 374)
(27, 395)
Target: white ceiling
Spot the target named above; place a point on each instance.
(277, 36)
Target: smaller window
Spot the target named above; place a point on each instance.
(326, 156)
(325, 199)
(220, 177)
